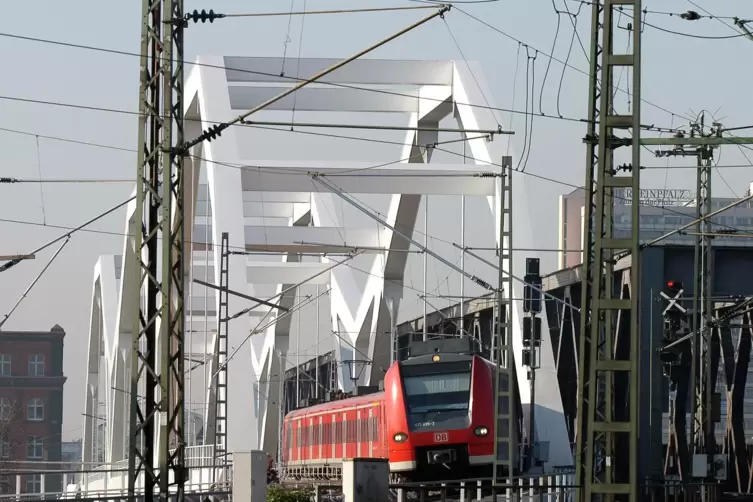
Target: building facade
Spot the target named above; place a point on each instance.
(663, 210)
(31, 408)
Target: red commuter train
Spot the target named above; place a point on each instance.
(437, 409)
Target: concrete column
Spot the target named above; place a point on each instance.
(366, 480)
(250, 476)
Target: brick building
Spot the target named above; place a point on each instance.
(31, 408)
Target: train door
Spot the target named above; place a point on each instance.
(298, 440)
(370, 436)
(344, 434)
(311, 439)
(358, 432)
(333, 436)
(320, 439)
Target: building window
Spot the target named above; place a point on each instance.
(4, 447)
(34, 448)
(34, 483)
(4, 364)
(4, 484)
(5, 409)
(36, 365)
(35, 410)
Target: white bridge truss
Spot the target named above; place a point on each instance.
(278, 207)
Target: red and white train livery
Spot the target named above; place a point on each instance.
(437, 409)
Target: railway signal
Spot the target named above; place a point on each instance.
(531, 340)
(673, 294)
(676, 357)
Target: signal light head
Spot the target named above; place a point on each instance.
(674, 284)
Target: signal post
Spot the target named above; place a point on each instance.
(531, 348)
(676, 358)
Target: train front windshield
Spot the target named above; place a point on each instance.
(437, 388)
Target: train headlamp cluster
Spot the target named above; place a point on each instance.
(400, 437)
(481, 431)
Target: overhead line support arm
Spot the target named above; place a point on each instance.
(241, 295)
(216, 130)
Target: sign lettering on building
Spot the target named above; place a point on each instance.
(655, 196)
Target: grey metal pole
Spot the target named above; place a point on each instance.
(426, 260)
(316, 352)
(297, 355)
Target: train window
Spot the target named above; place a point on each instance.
(437, 388)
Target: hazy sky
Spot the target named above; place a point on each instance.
(681, 74)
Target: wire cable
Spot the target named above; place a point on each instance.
(533, 91)
(583, 72)
(330, 11)
(512, 104)
(693, 35)
(41, 189)
(574, 22)
(295, 79)
(470, 70)
(549, 62)
(525, 126)
(34, 282)
(51, 180)
(5, 266)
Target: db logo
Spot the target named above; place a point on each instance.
(441, 437)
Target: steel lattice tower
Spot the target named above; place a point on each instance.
(607, 422)
(158, 360)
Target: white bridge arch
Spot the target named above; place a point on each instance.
(279, 207)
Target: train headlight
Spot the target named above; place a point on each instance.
(481, 431)
(400, 437)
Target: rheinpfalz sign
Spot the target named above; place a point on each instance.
(655, 196)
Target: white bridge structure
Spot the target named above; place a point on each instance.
(286, 224)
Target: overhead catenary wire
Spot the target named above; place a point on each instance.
(687, 15)
(337, 191)
(297, 79)
(9, 264)
(542, 177)
(259, 330)
(543, 53)
(216, 130)
(34, 282)
(326, 11)
(6, 180)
